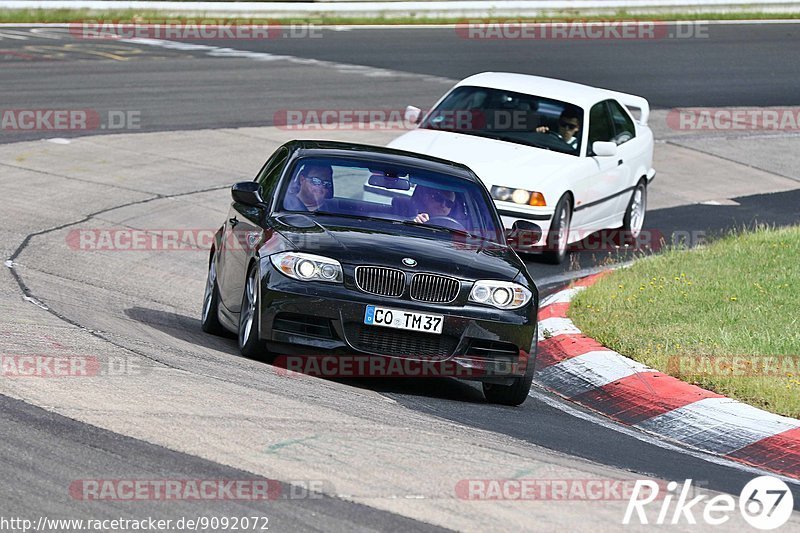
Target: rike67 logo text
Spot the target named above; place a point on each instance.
(765, 503)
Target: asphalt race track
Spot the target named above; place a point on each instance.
(387, 453)
(178, 92)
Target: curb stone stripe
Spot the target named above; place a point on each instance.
(596, 368)
(779, 452)
(554, 350)
(720, 425)
(581, 370)
(641, 396)
(555, 326)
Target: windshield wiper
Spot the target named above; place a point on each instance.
(434, 227)
(438, 228)
(510, 139)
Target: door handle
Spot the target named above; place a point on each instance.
(233, 221)
(619, 162)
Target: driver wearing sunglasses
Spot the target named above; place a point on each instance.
(431, 203)
(316, 186)
(569, 123)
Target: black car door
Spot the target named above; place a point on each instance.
(243, 231)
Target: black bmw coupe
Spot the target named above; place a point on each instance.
(340, 250)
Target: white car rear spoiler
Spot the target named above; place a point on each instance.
(636, 102)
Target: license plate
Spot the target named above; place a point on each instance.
(399, 319)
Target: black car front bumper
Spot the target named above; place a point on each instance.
(319, 319)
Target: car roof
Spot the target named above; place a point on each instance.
(566, 91)
(322, 148)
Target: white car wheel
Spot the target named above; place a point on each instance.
(634, 215)
(558, 236)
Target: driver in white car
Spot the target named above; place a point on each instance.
(431, 203)
(569, 123)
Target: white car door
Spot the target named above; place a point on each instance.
(596, 206)
(631, 149)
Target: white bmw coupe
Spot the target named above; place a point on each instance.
(572, 158)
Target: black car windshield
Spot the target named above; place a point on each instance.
(510, 116)
(405, 195)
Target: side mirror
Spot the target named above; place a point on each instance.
(413, 115)
(247, 193)
(524, 234)
(604, 148)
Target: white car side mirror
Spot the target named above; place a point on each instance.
(412, 114)
(604, 148)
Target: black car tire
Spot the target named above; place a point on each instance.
(514, 394)
(637, 207)
(556, 248)
(249, 334)
(209, 318)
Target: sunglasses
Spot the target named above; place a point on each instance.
(328, 184)
(442, 199)
(568, 126)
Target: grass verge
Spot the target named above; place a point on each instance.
(31, 16)
(725, 316)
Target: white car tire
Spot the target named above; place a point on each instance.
(558, 237)
(633, 222)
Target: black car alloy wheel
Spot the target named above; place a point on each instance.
(209, 319)
(250, 343)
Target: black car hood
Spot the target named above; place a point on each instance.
(377, 242)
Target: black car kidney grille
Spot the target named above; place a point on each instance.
(385, 341)
(434, 288)
(380, 280)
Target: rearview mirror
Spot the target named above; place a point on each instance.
(413, 114)
(247, 193)
(604, 148)
(389, 182)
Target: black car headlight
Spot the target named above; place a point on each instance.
(500, 294)
(308, 267)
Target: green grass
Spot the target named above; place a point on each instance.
(738, 296)
(79, 15)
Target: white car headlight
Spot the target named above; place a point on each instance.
(502, 193)
(517, 196)
(500, 294)
(308, 267)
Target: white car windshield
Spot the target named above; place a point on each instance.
(509, 116)
(391, 192)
